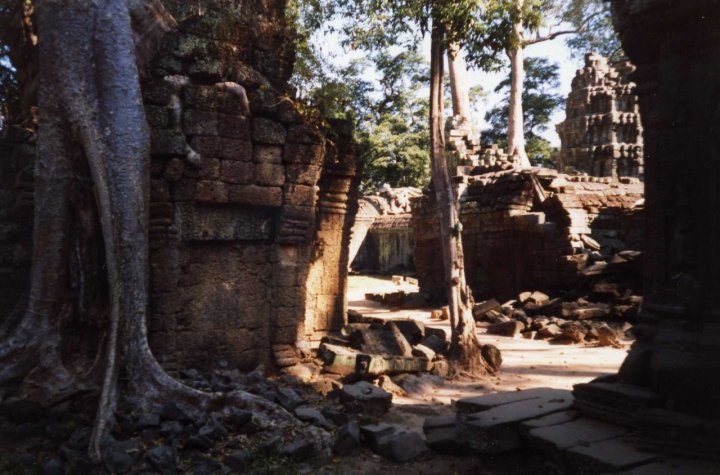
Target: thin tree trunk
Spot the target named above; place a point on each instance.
(465, 349)
(516, 121)
(458, 84)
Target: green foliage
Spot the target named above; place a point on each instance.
(593, 20)
(539, 103)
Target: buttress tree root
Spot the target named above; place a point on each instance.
(92, 116)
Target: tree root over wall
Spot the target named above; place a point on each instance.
(92, 116)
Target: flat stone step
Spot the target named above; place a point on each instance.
(549, 420)
(489, 401)
(607, 456)
(557, 438)
(496, 430)
(675, 467)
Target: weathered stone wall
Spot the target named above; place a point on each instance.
(602, 134)
(248, 206)
(529, 230)
(676, 48)
(16, 204)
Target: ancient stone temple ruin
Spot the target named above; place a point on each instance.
(382, 236)
(251, 203)
(667, 388)
(602, 134)
(530, 229)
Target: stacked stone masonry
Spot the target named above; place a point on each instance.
(529, 229)
(249, 203)
(602, 134)
(382, 236)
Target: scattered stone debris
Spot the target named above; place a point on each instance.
(603, 315)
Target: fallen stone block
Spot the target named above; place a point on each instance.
(435, 343)
(480, 309)
(442, 435)
(313, 416)
(365, 397)
(402, 447)
(347, 439)
(549, 420)
(338, 359)
(573, 331)
(607, 336)
(549, 331)
(412, 330)
(510, 328)
(488, 401)
(376, 365)
(586, 313)
(383, 341)
(422, 351)
(372, 433)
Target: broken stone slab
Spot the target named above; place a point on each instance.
(412, 330)
(606, 456)
(442, 435)
(496, 430)
(376, 365)
(549, 420)
(511, 328)
(550, 330)
(480, 309)
(573, 331)
(435, 343)
(402, 447)
(313, 416)
(338, 359)
(386, 383)
(596, 311)
(483, 403)
(288, 398)
(354, 316)
(422, 351)
(607, 336)
(347, 439)
(393, 442)
(584, 431)
(365, 397)
(381, 341)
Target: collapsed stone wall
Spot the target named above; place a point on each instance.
(602, 134)
(529, 229)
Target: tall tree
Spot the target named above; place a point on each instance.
(539, 103)
(449, 22)
(513, 25)
(459, 84)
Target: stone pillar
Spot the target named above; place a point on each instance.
(676, 49)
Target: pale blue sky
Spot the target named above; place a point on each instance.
(556, 51)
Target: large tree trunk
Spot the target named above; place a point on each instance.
(516, 121)
(465, 350)
(92, 116)
(458, 84)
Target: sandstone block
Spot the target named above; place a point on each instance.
(167, 142)
(209, 168)
(267, 131)
(236, 149)
(196, 122)
(300, 195)
(269, 174)
(237, 172)
(267, 154)
(303, 153)
(256, 195)
(174, 169)
(303, 174)
(233, 127)
(206, 145)
(184, 190)
(210, 191)
(304, 134)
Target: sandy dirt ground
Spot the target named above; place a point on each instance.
(526, 363)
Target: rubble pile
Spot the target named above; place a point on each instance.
(371, 347)
(603, 316)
